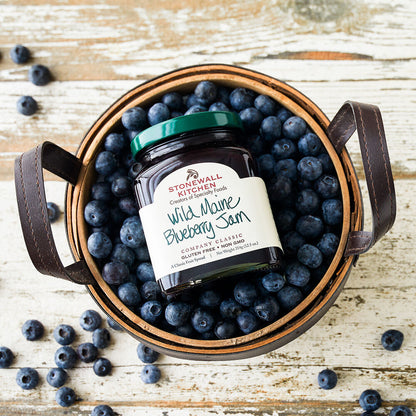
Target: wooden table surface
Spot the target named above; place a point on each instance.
(331, 50)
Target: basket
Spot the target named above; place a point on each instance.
(79, 171)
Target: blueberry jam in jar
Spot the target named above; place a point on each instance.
(204, 212)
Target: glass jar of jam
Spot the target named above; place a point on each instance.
(205, 213)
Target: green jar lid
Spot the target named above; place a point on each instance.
(184, 124)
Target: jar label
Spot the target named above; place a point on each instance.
(205, 212)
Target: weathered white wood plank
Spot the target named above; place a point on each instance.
(378, 295)
(68, 109)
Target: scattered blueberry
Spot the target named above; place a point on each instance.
(27, 378)
(39, 75)
(102, 367)
(32, 330)
(90, 320)
(53, 211)
(6, 357)
(65, 357)
(26, 105)
(392, 340)
(102, 410)
(56, 377)
(101, 338)
(146, 354)
(150, 374)
(87, 352)
(19, 54)
(327, 379)
(65, 397)
(370, 400)
(64, 334)
(400, 411)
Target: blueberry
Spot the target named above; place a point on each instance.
(197, 108)
(225, 330)
(292, 242)
(146, 354)
(56, 377)
(266, 309)
(247, 322)
(151, 311)
(150, 290)
(285, 220)
(223, 95)
(27, 378)
(271, 129)
(392, 340)
(186, 331)
(32, 330)
(307, 202)
(309, 168)
(65, 397)
(130, 135)
(96, 213)
(251, 118)
(99, 245)
(283, 149)
(64, 334)
(101, 338)
(113, 324)
(310, 145)
(245, 293)
(303, 184)
(145, 273)
(135, 119)
(310, 256)
(115, 143)
(90, 320)
(117, 173)
(101, 191)
(230, 309)
(53, 211)
(273, 282)
(129, 294)
(131, 234)
(289, 297)
(256, 145)
(150, 374)
(328, 244)
(177, 313)
(123, 254)
(26, 105)
(19, 54)
(142, 254)
(294, 127)
(102, 367)
(286, 167)
(206, 92)
(173, 100)
(87, 352)
(105, 163)
(309, 226)
(218, 106)
(327, 165)
(400, 411)
(121, 187)
(209, 299)
(115, 273)
(370, 400)
(128, 205)
(202, 320)
(65, 357)
(332, 211)
(102, 410)
(192, 100)
(265, 104)
(157, 113)
(280, 189)
(241, 98)
(127, 160)
(297, 274)
(327, 379)
(6, 357)
(327, 186)
(283, 114)
(39, 75)
(265, 165)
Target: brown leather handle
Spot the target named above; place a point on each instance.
(366, 119)
(31, 201)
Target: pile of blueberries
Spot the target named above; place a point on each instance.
(304, 193)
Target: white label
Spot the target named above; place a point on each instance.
(205, 212)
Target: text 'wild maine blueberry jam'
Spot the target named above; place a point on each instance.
(205, 213)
